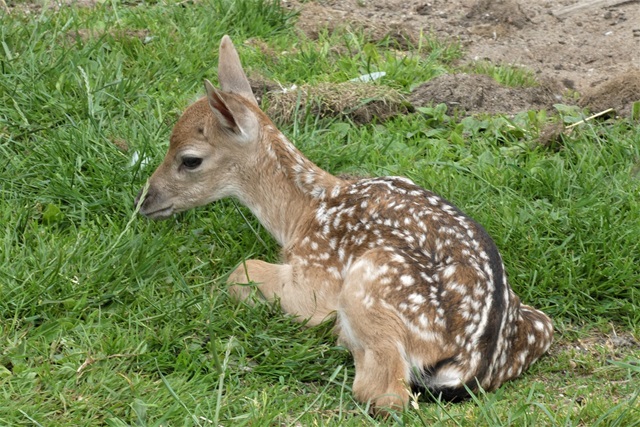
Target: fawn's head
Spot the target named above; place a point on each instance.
(209, 144)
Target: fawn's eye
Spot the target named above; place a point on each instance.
(191, 162)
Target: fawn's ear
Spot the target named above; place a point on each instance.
(232, 115)
(230, 73)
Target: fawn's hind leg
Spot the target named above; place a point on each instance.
(380, 378)
(376, 337)
(302, 293)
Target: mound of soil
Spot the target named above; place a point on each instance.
(618, 93)
(475, 93)
(497, 12)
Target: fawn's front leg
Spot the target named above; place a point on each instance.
(305, 294)
(257, 274)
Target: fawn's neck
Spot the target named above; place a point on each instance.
(283, 187)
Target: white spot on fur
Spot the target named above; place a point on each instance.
(539, 325)
(417, 299)
(398, 258)
(317, 192)
(449, 271)
(407, 280)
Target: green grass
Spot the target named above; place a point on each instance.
(507, 75)
(109, 319)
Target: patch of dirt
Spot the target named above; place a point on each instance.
(476, 93)
(36, 6)
(331, 15)
(596, 342)
(582, 51)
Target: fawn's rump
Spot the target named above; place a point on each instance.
(529, 339)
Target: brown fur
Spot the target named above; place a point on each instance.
(417, 288)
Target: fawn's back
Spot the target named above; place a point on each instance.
(436, 270)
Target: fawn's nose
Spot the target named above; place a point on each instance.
(146, 199)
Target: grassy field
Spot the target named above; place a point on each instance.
(109, 319)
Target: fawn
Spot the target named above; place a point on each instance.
(417, 289)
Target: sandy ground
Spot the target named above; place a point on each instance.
(594, 52)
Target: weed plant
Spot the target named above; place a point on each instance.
(109, 319)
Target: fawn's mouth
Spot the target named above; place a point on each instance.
(162, 213)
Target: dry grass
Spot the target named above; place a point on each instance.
(360, 102)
